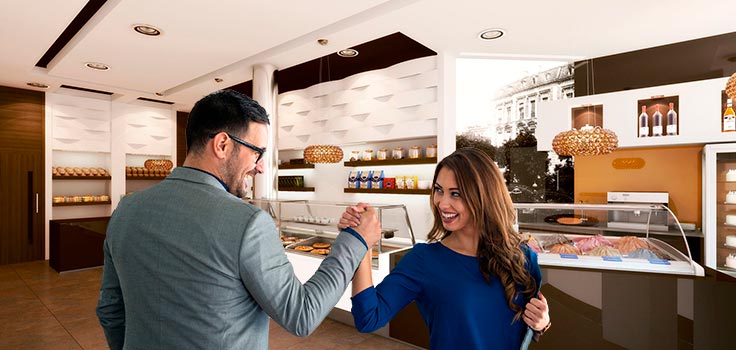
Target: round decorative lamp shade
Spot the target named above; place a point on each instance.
(588, 141)
(323, 154)
(731, 87)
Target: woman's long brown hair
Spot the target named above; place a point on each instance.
(482, 187)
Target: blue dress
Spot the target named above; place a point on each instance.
(460, 308)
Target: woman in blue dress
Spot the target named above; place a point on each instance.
(475, 283)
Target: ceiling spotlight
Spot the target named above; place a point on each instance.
(322, 42)
(97, 66)
(146, 29)
(38, 85)
(218, 80)
(348, 53)
(158, 93)
(491, 34)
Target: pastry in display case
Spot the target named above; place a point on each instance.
(588, 242)
(719, 207)
(308, 228)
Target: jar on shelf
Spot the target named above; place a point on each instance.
(354, 155)
(415, 152)
(368, 154)
(398, 153)
(432, 151)
(382, 154)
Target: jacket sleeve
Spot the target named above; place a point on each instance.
(269, 277)
(374, 307)
(110, 305)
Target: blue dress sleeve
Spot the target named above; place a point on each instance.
(374, 307)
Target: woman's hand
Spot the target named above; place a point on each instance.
(536, 314)
(351, 216)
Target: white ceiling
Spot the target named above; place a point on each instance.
(224, 38)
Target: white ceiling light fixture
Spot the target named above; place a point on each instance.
(146, 29)
(348, 53)
(38, 85)
(96, 66)
(491, 34)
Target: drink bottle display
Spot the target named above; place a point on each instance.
(657, 122)
(728, 123)
(672, 120)
(643, 122)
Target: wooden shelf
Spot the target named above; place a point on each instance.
(71, 204)
(296, 166)
(383, 191)
(296, 189)
(91, 177)
(145, 177)
(407, 161)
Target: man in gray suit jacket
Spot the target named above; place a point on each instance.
(189, 265)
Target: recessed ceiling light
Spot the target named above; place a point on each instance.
(348, 53)
(491, 34)
(38, 85)
(218, 80)
(158, 93)
(97, 66)
(146, 29)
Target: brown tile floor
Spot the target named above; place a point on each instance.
(43, 310)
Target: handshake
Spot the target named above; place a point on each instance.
(363, 219)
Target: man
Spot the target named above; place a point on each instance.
(189, 265)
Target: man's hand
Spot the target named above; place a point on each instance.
(351, 216)
(369, 227)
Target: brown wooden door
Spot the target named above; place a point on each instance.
(22, 167)
(21, 208)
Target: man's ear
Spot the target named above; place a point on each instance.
(220, 145)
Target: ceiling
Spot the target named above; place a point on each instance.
(203, 40)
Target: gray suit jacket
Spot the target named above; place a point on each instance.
(190, 266)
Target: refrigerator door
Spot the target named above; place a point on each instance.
(719, 206)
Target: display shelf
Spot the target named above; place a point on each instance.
(406, 161)
(146, 177)
(603, 230)
(296, 189)
(91, 177)
(295, 166)
(71, 204)
(385, 191)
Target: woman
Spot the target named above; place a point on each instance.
(474, 282)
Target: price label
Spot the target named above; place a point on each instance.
(612, 258)
(659, 261)
(569, 256)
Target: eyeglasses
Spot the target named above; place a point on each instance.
(246, 144)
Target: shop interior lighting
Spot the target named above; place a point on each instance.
(491, 34)
(146, 29)
(38, 85)
(97, 66)
(348, 53)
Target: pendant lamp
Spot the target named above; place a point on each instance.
(588, 140)
(731, 87)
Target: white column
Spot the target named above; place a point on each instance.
(265, 91)
(446, 123)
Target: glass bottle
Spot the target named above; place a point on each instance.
(656, 122)
(729, 118)
(643, 122)
(672, 120)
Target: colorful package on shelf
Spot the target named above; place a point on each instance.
(400, 183)
(365, 179)
(389, 183)
(377, 179)
(353, 179)
(410, 182)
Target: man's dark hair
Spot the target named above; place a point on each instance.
(223, 110)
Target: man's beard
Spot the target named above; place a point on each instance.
(235, 183)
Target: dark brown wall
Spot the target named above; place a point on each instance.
(181, 137)
(21, 175)
(706, 58)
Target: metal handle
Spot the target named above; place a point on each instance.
(36, 202)
(30, 207)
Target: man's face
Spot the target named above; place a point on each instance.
(242, 160)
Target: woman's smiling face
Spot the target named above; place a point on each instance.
(450, 204)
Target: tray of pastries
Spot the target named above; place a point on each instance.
(315, 246)
(78, 172)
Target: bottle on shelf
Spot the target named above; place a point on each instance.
(672, 120)
(656, 122)
(643, 122)
(728, 124)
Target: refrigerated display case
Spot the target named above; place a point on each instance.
(578, 236)
(719, 207)
(308, 228)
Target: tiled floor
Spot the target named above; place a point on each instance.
(43, 310)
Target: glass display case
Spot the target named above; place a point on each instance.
(719, 207)
(578, 236)
(308, 228)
